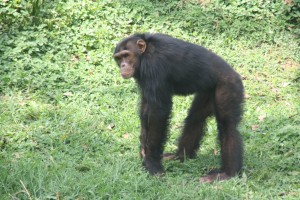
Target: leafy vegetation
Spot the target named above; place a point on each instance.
(68, 122)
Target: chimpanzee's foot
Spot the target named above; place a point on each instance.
(177, 156)
(215, 176)
(170, 156)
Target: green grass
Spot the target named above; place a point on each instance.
(69, 126)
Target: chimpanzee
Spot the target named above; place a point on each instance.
(164, 66)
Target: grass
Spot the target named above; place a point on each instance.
(69, 127)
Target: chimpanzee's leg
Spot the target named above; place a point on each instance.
(193, 130)
(228, 111)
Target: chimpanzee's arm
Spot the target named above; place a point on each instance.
(154, 125)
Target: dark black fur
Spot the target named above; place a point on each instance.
(171, 66)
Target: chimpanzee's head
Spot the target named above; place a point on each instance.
(128, 54)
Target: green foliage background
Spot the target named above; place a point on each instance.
(68, 122)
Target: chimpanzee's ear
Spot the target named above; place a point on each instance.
(141, 45)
